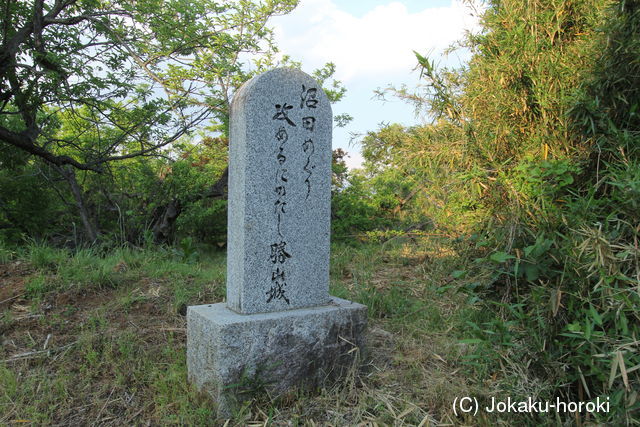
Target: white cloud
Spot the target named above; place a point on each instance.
(380, 43)
(353, 159)
(370, 51)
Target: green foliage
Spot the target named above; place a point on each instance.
(407, 180)
(25, 204)
(45, 257)
(116, 80)
(118, 126)
(359, 207)
(187, 250)
(121, 90)
(533, 151)
(553, 122)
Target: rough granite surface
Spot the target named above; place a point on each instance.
(231, 356)
(279, 194)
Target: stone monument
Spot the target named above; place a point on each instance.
(279, 328)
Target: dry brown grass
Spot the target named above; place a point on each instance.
(115, 356)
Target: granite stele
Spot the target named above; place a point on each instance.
(279, 328)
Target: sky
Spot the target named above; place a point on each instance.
(371, 42)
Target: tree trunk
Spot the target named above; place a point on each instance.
(164, 220)
(69, 174)
(163, 226)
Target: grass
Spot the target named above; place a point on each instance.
(102, 339)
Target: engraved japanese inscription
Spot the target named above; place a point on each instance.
(279, 202)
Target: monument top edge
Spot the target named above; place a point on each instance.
(276, 75)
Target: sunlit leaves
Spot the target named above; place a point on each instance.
(92, 56)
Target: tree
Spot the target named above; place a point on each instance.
(87, 82)
(101, 63)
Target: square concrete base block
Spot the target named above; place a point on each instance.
(230, 355)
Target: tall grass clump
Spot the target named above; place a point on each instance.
(545, 119)
(551, 100)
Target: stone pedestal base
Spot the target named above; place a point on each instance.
(231, 355)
